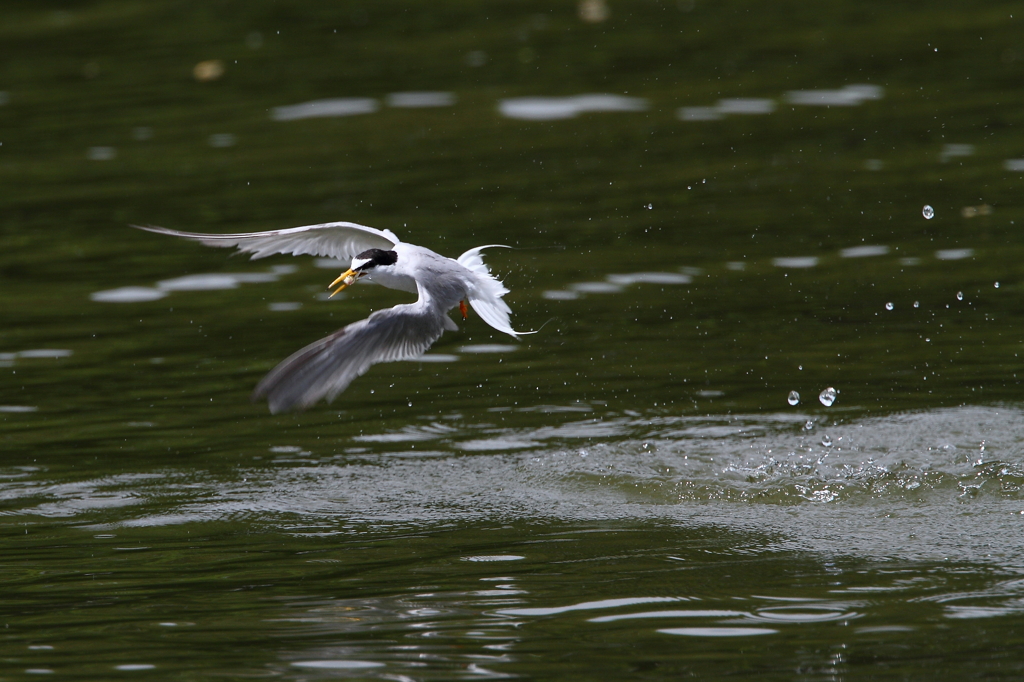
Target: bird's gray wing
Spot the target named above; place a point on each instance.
(333, 240)
(326, 368)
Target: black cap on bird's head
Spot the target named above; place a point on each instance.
(371, 258)
(362, 264)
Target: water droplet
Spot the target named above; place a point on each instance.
(410, 403)
(800, 367)
(917, 304)
(828, 396)
(928, 212)
(889, 306)
(808, 426)
(826, 441)
(794, 398)
(997, 285)
(959, 295)
(650, 206)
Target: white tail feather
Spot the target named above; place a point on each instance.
(485, 295)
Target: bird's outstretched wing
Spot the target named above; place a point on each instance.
(326, 368)
(343, 241)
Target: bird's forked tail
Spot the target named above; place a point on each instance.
(486, 292)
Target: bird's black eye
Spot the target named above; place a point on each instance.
(377, 257)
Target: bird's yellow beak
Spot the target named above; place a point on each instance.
(346, 278)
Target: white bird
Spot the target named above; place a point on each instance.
(326, 367)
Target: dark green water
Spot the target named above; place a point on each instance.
(627, 493)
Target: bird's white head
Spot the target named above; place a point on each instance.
(363, 265)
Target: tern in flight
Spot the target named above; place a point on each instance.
(325, 368)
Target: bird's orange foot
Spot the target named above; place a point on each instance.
(463, 309)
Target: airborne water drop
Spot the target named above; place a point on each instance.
(928, 212)
(794, 398)
(828, 396)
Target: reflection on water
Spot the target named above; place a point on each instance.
(417, 100)
(101, 153)
(325, 108)
(848, 96)
(717, 632)
(795, 262)
(222, 140)
(736, 105)
(336, 665)
(198, 282)
(954, 254)
(864, 251)
(44, 353)
(560, 108)
(127, 295)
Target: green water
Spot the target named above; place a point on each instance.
(625, 494)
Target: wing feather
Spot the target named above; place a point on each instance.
(332, 240)
(325, 368)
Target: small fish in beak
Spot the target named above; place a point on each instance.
(346, 278)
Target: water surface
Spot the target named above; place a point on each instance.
(712, 206)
